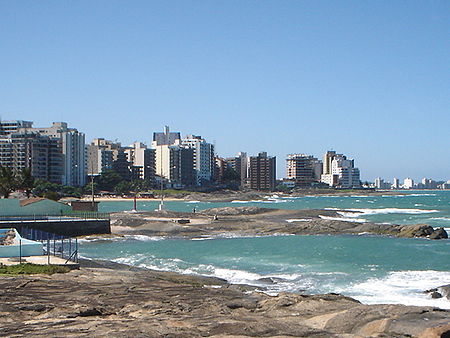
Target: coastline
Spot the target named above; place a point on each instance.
(228, 196)
(257, 221)
(104, 298)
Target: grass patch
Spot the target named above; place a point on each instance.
(31, 269)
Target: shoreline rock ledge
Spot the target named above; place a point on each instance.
(108, 299)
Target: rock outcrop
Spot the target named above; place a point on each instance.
(104, 301)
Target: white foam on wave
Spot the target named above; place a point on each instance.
(441, 218)
(343, 219)
(144, 238)
(382, 211)
(243, 202)
(297, 220)
(401, 287)
(237, 276)
(192, 202)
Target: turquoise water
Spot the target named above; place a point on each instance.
(428, 207)
(371, 269)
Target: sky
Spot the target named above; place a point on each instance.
(369, 79)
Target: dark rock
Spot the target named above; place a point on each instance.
(90, 312)
(33, 307)
(240, 303)
(436, 294)
(439, 234)
(445, 290)
(270, 280)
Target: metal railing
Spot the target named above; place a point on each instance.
(77, 215)
(53, 244)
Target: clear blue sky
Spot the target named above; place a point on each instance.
(370, 79)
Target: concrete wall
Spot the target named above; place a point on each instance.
(70, 228)
(29, 248)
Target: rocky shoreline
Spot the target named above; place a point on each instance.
(257, 221)
(109, 299)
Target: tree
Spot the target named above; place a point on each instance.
(8, 181)
(26, 181)
(108, 180)
(123, 187)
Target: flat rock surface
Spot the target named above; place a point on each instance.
(256, 221)
(108, 299)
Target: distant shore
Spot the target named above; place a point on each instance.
(230, 195)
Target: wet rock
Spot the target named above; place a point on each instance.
(435, 295)
(439, 233)
(445, 291)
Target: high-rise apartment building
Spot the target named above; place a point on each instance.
(142, 161)
(9, 127)
(166, 137)
(408, 183)
(203, 158)
(72, 147)
(303, 169)
(100, 156)
(175, 165)
(338, 171)
(41, 154)
(262, 172)
(396, 183)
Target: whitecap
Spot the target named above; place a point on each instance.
(297, 220)
(401, 287)
(380, 211)
(355, 220)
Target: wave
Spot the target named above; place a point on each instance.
(381, 211)
(401, 287)
(297, 220)
(118, 238)
(355, 220)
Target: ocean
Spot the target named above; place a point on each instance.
(372, 269)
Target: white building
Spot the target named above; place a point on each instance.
(396, 184)
(408, 183)
(203, 158)
(341, 172)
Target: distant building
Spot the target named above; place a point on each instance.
(241, 166)
(142, 161)
(41, 154)
(262, 172)
(166, 137)
(381, 184)
(203, 158)
(396, 184)
(408, 183)
(9, 127)
(174, 164)
(100, 156)
(427, 183)
(303, 169)
(338, 171)
(73, 150)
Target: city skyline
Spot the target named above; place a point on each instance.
(366, 79)
(189, 137)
